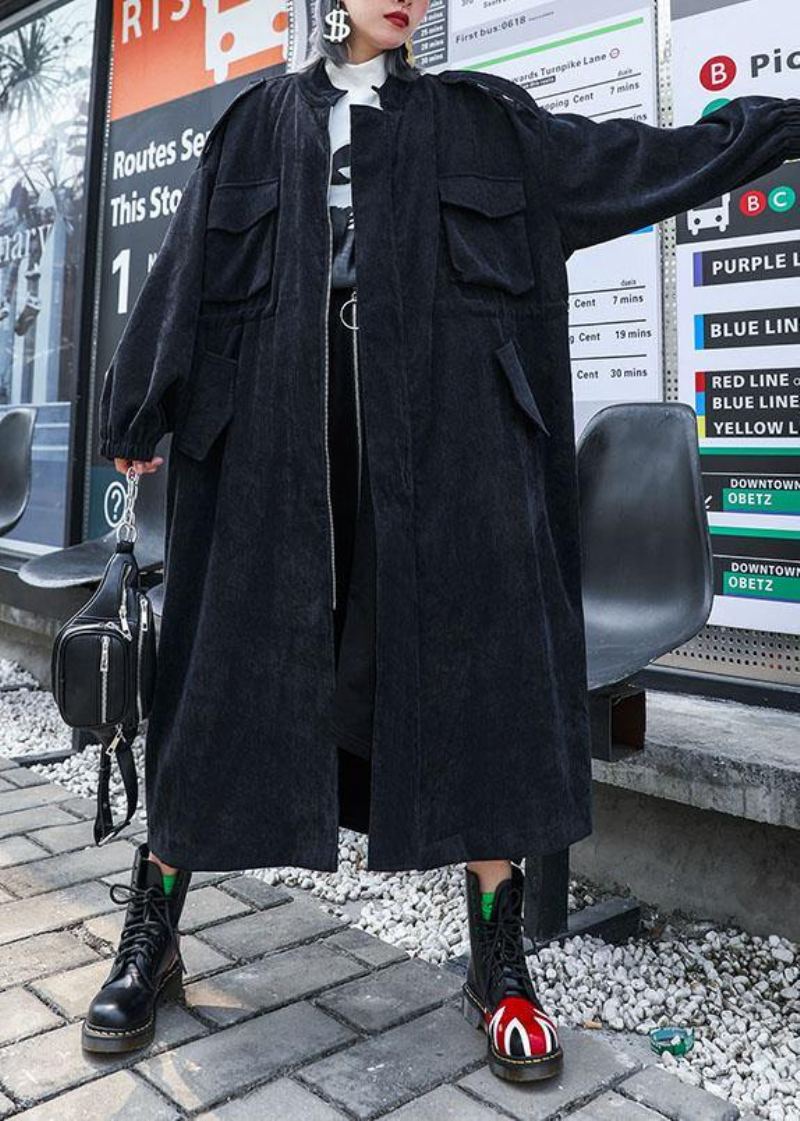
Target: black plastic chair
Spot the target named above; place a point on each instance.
(647, 581)
(647, 561)
(16, 447)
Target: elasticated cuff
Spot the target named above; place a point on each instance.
(127, 448)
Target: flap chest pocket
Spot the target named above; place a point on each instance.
(485, 230)
(210, 404)
(511, 364)
(240, 239)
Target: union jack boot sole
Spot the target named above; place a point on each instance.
(518, 1017)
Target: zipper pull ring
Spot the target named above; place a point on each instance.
(351, 301)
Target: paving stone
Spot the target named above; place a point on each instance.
(21, 962)
(6, 1106)
(613, 1107)
(261, 985)
(120, 1095)
(382, 999)
(21, 1014)
(5, 896)
(678, 1100)
(590, 1066)
(200, 958)
(85, 808)
(446, 1103)
(209, 905)
(280, 1099)
(4, 786)
(16, 850)
(72, 990)
(23, 776)
(69, 868)
(384, 1071)
(63, 837)
(24, 821)
(256, 892)
(200, 1074)
(366, 947)
(199, 879)
(52, 910)
(278, 928)
(108, 927)
(48, 1064)
(29, 797)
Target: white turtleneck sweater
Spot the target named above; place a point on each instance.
(358, 79)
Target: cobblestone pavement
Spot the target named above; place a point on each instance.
(288, 1012)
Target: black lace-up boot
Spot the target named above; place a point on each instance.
(498, 995)
(148, 965)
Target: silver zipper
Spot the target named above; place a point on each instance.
(354, 329)
(104, 677)
(143, 623)
(123, 613)
(327, 449)
(97, 626)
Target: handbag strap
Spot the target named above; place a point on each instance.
(119, 747)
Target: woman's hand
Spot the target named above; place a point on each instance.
(141, 466)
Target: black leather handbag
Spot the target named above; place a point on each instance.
(103, 667)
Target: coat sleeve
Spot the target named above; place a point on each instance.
(157, 342)
(608, 178)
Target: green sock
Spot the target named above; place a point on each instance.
(487, 898)
(168, 881)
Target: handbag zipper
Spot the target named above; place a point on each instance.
(123, 612)
(104, 677)
(143, 624)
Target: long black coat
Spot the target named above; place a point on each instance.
(468, 198)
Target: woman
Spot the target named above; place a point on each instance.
(372, 612)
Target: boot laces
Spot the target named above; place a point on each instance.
(507, 966)
(149, 917)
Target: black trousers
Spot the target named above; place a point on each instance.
(351, 715)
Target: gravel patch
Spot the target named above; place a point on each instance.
(12, 674)
(739, 992)
(30, 722)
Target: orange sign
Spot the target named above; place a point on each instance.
(166, 49)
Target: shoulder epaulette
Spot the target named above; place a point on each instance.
(493, 84)
(256, 83)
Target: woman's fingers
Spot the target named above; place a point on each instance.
(141, 466)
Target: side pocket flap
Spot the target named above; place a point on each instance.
(236, 206)
(492, 196)
(210, 406)
(508, 355)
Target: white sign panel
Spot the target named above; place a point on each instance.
(739, 318)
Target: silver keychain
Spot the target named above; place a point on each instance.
(126, 527)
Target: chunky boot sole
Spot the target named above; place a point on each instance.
(513, 1070)
(107, 1041)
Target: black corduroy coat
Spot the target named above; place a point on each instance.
(468, 199)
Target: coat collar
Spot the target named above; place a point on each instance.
(318, 89)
